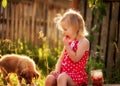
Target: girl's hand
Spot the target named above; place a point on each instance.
(55, 73)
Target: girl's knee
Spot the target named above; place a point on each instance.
(50, 80)
(62, 77)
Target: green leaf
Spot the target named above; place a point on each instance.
(98, 47)
(4, 3)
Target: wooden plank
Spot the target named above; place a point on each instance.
(118, 53)
(1, 11)
(88, 18)
(58, 3)
(37, 26)
(54, 29)
(111, 46)
(88, 23)
(104, 32)
(0, 22)
(16, 21)
(118, 43)
(36, 32)
(12, 22)
(81, 7)
(75, 4)
(28, 21)
(20, 21)
(4, 23)
(22, 18)
(8, 22)
(33, 20)
(26, 16)
(49, 26)
(38, 23)
(95, 33)
(24, 22)
(28, 28)
(18, 29)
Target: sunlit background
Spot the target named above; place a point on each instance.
(27, 27)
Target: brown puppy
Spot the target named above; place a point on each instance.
(21, 65)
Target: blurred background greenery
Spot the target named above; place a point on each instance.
(27, 27)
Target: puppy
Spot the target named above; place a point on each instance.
(22, 66)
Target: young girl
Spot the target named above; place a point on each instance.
(70, 68)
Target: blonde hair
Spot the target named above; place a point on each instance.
(74, 19)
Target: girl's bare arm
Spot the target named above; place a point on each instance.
(82, 47)
(59, 62)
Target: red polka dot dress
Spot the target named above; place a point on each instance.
(76, 70)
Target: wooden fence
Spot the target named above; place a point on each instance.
(24, 20)
(108, 30)
(107, 36)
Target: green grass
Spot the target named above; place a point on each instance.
(13, 78)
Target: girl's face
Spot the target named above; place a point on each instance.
(69, 31)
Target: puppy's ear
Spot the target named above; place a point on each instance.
(36, 75)
(0, 56)
(22, 74)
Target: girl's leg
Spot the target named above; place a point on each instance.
(50, 81)
(65, 80)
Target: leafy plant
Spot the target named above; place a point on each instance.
(97, 6)
(4, 3)
(95, 62)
